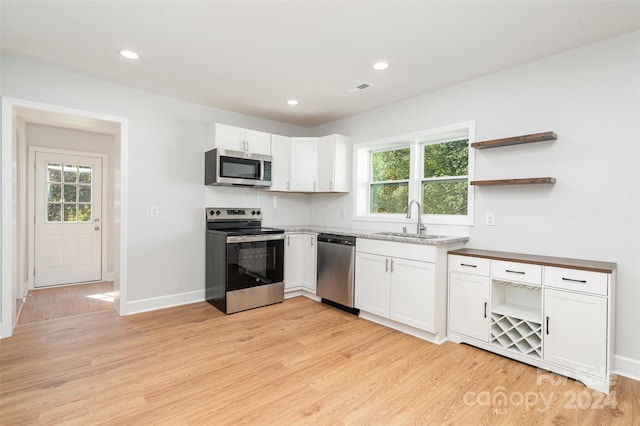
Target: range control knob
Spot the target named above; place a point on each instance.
(211, 213)
(258, 212)
(253, 213)
(217, 212)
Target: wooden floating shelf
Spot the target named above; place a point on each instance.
(516, 140)
(522, 181)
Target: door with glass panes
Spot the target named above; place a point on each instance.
(68, 227)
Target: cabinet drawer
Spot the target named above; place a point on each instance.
(514, 271)
(470, 265)
(577, 280)
(420, 252)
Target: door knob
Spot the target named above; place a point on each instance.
(96, 228)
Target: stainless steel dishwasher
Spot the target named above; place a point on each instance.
(336, 266)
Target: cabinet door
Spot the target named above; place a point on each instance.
(309, 255)
(372, 284)
(304, 164)
(229, 137)
(575, 334)
(469, 305)
(257, 142)
(326, 164)
(334, 164)
(292, 261)
(280, 151)
(413, 293)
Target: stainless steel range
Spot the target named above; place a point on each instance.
(245, 262)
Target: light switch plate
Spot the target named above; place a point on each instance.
(155, 211)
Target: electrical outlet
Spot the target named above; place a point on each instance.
(490, 219)
(155, 211)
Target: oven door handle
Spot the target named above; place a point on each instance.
(254, 238)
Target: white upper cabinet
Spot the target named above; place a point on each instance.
(281, 163)
(304, 164)
(299, 164)
(334, 160)
(239, 139)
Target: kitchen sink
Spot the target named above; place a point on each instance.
(408, 235)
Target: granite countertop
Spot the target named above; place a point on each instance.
(377, 235)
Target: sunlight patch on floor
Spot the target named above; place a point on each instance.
(105, 297)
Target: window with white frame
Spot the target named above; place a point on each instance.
(389, 184)
(433, 167)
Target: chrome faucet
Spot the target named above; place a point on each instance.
(420, 226)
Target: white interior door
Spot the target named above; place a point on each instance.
(68, 208)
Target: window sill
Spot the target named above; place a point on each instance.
(427, 220)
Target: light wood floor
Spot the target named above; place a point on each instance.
(66, 301)
(298, 362)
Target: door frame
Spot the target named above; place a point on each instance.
(31, 201)
(9, 193)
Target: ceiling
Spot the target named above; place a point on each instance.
(251, 57)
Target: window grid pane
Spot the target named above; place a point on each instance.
(445, 196)
(446, 159)
(69, 193)
(445, 184)
(391, 165)
(389, 197)
(54, 172)
(389, 184)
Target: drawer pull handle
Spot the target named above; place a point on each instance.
(386, 265)
(514, 272)
(470, 266)
(547, 325)
(485, 309)
(574, 281)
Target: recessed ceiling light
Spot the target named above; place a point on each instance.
(292, 102)
(129, 54)
(380, 66)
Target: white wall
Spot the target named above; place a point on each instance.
(166, 142)
(591, 98)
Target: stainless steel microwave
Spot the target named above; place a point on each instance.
(235, 168)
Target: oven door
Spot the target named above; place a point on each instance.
(254, 260)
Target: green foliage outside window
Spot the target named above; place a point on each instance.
(445, 197)
(444, 184)
(69, 193)
(446, 159)
(388, 167)
(445, 187)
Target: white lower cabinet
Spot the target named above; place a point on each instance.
(413, 293)
(557, 318)
(372, 284)
(469, 304)
(300, 254)
(403, 286)
(576, 331)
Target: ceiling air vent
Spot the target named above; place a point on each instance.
(360, 87)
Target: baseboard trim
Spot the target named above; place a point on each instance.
(407, 329)
(162, 302)
(626, 367)
(295, 293)
(109, 276)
